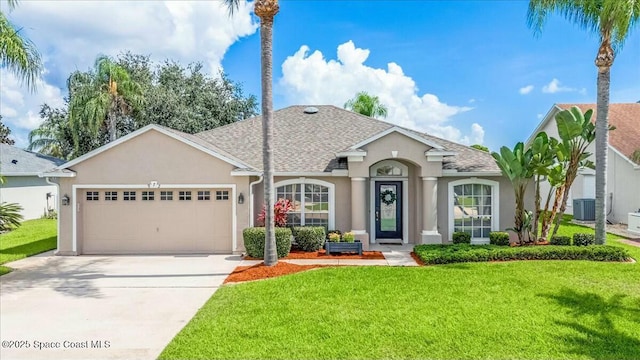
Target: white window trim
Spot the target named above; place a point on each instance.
(495, 205)
(305, 181)
(404, 168)
(76, 204)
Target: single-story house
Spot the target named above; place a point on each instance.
(623, 175)
(158, 190)
(22, 185)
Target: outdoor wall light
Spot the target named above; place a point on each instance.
(241, 198)
(65, 199)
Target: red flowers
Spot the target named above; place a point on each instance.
(280, 210)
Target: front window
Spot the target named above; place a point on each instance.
(310, 202)
(474, 208)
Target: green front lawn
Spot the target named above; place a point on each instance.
(33, 237)
(520, 309)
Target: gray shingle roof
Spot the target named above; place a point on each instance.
(309, 142)
(26, 162)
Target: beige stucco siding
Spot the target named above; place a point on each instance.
(151, 156)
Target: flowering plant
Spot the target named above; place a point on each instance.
(334, 237)
(280, 210)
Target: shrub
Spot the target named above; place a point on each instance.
(254, 241)
(280, 210)
(333, 232)
(10, 217)
(499, 238)
(460, 237)
(309, 238)
(447, 254)
(560, 240)
(50, 214)
(334, 237)
(349, 237)
(583, 239)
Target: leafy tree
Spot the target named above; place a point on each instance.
(4, 134)
(544, 158)
(611, 20)
(266, 10)
(516, 165)
(480, 147)
(367, 105)
(102, 96)
(17, 53)
(576, 133)
(185, 99)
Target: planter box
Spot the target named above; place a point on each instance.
(342, 247)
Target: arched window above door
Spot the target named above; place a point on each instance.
(389, 168)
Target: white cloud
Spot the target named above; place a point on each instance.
(308, 78)
(525, 90)
(555, 86)
(70, 34)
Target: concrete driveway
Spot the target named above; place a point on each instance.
(103, 307)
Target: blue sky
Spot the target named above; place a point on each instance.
(471, 71)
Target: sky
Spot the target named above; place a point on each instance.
(467, 71)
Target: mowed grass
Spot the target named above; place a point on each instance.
(504, 310)
(33, 237)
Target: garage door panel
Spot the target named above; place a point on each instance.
(156, 226)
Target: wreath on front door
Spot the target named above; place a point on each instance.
(388, 197)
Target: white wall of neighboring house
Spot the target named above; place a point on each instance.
(623, 181)
(31, 193)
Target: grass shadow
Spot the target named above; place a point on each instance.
(29, 249)
(605, 340)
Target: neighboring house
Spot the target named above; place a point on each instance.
(623, 175)
(158, 190)
(22, 185)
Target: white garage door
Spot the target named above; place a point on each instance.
(158, 221)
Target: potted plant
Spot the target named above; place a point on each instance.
(348, 243)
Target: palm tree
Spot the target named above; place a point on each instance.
(17, 53)
(266, 10)
(612, 20)
(102, 96)
(367, 105)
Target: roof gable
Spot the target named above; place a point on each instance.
(398, 130)
(177, 135)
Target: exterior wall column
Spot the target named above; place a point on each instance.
(430, 233)
(358, 210)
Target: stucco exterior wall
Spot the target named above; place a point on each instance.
(31, 193)
(623, 187)
(151, 156)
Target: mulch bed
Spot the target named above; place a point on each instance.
(417, 259)
(260, 271)
(295, 254)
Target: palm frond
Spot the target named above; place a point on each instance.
(19, 54)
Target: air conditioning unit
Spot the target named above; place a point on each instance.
(584, 209)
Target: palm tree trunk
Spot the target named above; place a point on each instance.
(602, 141)
(519, 216)
(111, 125)
(536, 211)
(546, 217)
(266, 45)
(554, 210)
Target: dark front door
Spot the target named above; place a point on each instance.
(388, 209)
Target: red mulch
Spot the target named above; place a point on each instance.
(260, 271)
(295, 254)
(417, 259)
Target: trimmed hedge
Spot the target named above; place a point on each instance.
(460, 237)
(447, 254)
(309, 238)
(583, 239)
(560, 240)
(500, 238)
(254, 241)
